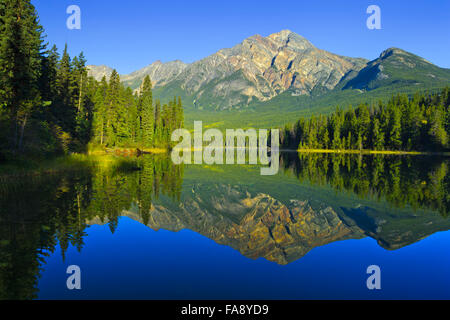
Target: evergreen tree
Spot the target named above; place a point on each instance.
(47, 82)
(437, 133)
(377, 135)
(21, 45)
(180, 114)
(147, 112)
(64, 109)
(395, 141)
(100, 120)
(80, 85)
(112, 105)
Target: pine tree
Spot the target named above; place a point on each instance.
(336, 127)
(395, 141)
(437, 133)
(363, 125)
(47, 82)
(100, 119)
(64, 110)
(147, 113)
(79, 80)
(180, 114)
(112, 105)
(158, 122)
(21, 45)
(377, 135)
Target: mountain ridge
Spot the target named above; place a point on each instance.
(284, 73)
(270, 64)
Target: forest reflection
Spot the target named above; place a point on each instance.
(416, 181)
(40, 213)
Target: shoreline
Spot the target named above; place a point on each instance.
(368, 152)
(127, 151)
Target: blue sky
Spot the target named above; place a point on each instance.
(129, 35)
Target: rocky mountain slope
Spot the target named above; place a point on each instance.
(397, 67)
(160, 73)
(98, 72)
(260, 68)
(279, 68)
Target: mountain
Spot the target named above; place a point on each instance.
(281, 77)
(98, 72)
(259, 69)
(160, 73)
(398, 67)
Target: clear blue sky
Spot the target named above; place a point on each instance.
(131, 34)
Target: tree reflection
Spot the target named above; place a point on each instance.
(416, 181)
(39, 213)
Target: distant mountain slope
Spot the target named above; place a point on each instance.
(398, 67)
(98, 72)
(160, 73)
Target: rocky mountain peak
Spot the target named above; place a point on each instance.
(291, 39)
(261, 68)
(392, 51)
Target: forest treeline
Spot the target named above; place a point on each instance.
(418, 123)
(124, 118)
(49, 105)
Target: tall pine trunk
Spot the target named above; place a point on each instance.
(81, 93)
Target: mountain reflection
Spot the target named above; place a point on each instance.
(268, 217)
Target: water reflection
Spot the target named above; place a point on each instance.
(416, 181)
(39, 213)
(278, 218)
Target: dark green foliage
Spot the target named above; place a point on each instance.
(121, 118)
(49, 105)
(146, 113)
(45, 101)
(418, 182)
(420, 123)
(20, 70)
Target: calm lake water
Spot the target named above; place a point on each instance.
(154, 230)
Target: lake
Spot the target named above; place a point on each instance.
(149, 229)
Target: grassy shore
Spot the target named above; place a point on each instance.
(70, 163)
(126, 151)
(23, 167)
(386, 152)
